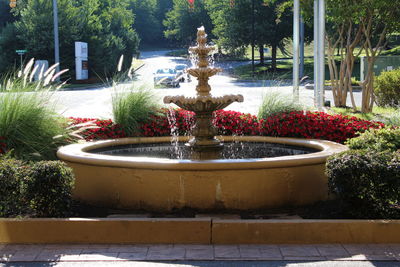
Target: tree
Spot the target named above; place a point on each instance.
(378, 19)
(5, 13)
(105, 25)
(233, 24)
(148, 26)
(181, 22)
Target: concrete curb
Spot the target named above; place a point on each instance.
(197, 231)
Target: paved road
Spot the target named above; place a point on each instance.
(97, 102)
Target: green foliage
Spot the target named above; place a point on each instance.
(131, 107)
(387, 88)
(28, 123)
(8, 43)
(148, 26)
(366, 182)
(48, 188)
(377, 139)
(233, 25)
(104, 24)
(275, 102)
(37, 189)
(181, 22)
(10, 185)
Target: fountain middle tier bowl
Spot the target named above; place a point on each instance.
(158, 183)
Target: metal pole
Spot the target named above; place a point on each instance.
(316, 47)
(56, 41)
(296, 35)
(301, 47)
(20, 57)
(252, 36)
(321, 52)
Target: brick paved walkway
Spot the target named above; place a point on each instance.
(108, 253)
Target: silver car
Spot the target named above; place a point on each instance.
(183, 75)
(166, 76)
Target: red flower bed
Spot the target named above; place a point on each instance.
(318, 125)
(106, 129)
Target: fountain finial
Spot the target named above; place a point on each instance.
(204, 143)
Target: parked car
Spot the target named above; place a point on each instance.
(181, 70)
(166, 76)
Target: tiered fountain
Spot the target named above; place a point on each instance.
(143, 173)
(203, 144)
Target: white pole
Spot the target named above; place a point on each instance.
(56, 41)
(301, 74)
(296, 42)
(316, 48)
(321, 55)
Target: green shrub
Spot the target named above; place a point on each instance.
(36, 189)
(274, 103)
(387, 88)
(133, 106)
(48, 188)
(377, 139)
(10, 185)
(366, 182)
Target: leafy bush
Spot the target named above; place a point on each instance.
(38, 189)
(48, 188)
(10, 186)
(318, 125)
(377, 139)
(366, 182)
(387, 88)
(131, 107)
(275, 103)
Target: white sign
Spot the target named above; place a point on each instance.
(81, 61)
(81, 49)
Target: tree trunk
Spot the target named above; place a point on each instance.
(273, 57)
(261, 50)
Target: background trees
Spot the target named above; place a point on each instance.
(105, 25)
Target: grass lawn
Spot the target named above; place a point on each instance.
(378, 113)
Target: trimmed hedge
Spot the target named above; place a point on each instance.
(38, 189)
(366, 183)
(387, 88)
(366, 179)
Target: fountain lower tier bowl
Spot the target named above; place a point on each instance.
(144, 181)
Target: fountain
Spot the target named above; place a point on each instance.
(203, 144)
(228, 172)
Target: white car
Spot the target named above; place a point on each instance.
(166, 76)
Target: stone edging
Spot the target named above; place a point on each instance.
(197, 231)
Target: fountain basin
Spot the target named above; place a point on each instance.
(165, 184)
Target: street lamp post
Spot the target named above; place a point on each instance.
(252, 36)
(56, 41)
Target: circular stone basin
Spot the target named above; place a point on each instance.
(138, 173)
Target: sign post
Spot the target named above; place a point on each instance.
(21, 52)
